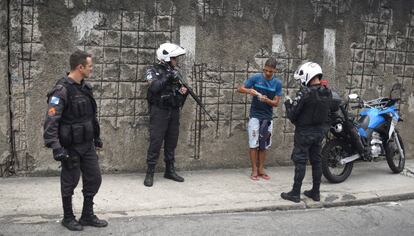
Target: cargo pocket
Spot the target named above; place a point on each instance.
(65, 136)
(88, 131)
(77, 133)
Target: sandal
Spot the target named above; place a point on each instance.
(264, 176)
(254, 177)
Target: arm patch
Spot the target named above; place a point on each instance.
(54, 100)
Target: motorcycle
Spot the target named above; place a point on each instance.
(372, 136)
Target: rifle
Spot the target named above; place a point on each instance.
(191, 92)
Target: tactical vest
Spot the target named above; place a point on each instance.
(316, 107)
(169, 96)
(76, 124)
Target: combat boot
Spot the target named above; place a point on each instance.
(294, 194)
(88, 218)
(170, 172)
(149, 177)
(313, 194)
(69, 220)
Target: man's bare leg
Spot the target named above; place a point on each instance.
(262, 159)
(253, 158)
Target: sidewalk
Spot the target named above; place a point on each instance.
(37, 199)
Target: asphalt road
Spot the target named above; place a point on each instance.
(387, 218)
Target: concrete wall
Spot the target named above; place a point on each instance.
(363, 46)
(5, 152)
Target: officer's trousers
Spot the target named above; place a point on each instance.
(164, 128)
(83, 159)
(307, 146)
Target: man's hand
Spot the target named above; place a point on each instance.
(60, 154)
(183, 90)
(175, 76)
(288, 101)
(262, 98)
(98, 143)
(253, 92)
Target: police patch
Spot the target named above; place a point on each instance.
(54, 100)
(51, 111)
(149, 76)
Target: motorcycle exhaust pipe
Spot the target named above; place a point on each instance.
(349, 159)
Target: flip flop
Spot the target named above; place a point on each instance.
(254, 177)
(265, 176)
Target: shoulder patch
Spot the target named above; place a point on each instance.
(54, 100)
(149, 75)
(51, 111)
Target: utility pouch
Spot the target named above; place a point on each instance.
(78, 133)
(166, 100)
(65, 135)
(72, 162)
(88, 131)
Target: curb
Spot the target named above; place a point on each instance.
(302, 205)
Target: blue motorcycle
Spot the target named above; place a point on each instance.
(372, 136)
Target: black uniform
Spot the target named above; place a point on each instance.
(165, 102)
(71, 124)
(309, 112)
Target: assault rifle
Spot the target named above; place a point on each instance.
(180, 78)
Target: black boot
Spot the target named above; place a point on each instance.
(294, 194)
(314, 193)
(149, 177)
(69, 220)
(170, 172)
(88, 217)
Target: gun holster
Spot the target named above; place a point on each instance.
(72, 162)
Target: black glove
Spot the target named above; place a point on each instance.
(60, 154)
(175, 76)
(98, 142)
(288, 100)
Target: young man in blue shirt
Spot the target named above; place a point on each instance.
(266, 90)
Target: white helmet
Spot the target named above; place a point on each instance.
(307, 71)
(167, 50)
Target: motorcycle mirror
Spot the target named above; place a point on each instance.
(353, 96)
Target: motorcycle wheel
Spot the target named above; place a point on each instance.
(392, 154)
(332, 152)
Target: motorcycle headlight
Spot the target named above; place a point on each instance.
(338, 128)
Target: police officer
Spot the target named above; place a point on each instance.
(166, 95)
(72, 130)
(309, 112)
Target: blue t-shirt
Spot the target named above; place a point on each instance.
(270, 88)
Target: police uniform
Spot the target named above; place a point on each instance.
(71, 125)
(309, 112)
(165, 101)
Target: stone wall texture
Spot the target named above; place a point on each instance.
(363, 46)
